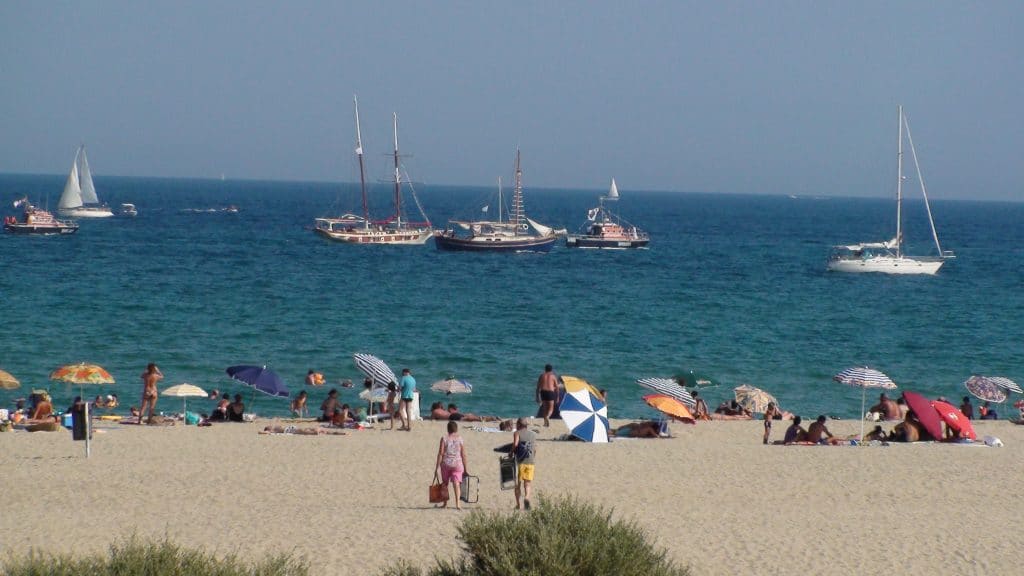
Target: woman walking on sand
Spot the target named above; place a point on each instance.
(451, 462)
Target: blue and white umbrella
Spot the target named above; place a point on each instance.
(375, 369)
(585, 413)
(668, 387)
(865, 378)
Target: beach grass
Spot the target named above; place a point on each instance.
(138, 557)
(559, 537)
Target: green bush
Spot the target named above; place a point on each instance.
(140, 558)
(562, 537)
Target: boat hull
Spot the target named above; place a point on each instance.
(87, 212)
(416, 237)
(887, 265)
(41, 230)
(451, 243)
(605, 243)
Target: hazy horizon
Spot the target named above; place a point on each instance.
(737, 97)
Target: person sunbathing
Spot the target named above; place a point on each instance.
(645, 429)
(278, 429)
(454, 415)
(342, 416)
(818, 433)
(44, 409)
(437, 412)
(795, 432)
(876, 434)
(887, 408)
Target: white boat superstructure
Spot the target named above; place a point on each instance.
(888, 257)
(396, 229)
(79, 198)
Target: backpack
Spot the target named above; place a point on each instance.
(524, 450)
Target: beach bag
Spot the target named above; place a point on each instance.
(438, 491)
(469, 489)
(508, 472)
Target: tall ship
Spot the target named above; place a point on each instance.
(360, 228)
(516, 233)
(36, 221)
(888, 257)
(603, 229)
(79, 199)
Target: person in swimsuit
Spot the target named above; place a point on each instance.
(150, 377)
(547, 392)
(299, 405)
(236, 410)
(769, 414)
(451, 462)
(795, 432)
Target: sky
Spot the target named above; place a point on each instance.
(740, 97)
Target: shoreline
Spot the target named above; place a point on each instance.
(713, 495)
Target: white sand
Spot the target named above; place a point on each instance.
(714, 496)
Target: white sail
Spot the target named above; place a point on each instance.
(540, 228)
(72, 196)
(85, 180)
(613, 191)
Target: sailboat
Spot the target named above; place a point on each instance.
(515, 234)
(603, 229)
(79, 198)
(888, 257)
(360, 229)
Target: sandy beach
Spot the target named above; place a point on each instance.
(713, 495)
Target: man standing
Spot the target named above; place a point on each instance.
(405, 404)
(150, 377)
(524, 447)
(547, 393)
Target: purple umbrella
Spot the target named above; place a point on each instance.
(925, 412)
(260, 378)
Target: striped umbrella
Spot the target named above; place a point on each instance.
(1006, 383)
(375, 368)
(865, 378)
(668, 387)
(984, 388)
(584, 412)
(7, 381)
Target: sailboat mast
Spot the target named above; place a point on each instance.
(362, 168)
(517, 198)
(398, 181)
(500, 199)
(924, 192)
(899, 188)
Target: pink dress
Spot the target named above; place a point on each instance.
(451, 460)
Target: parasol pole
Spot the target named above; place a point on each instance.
(863, 396)
(88, 432)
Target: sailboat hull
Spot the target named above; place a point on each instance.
(87, 212)
(887, 265)
(448, 241)
(416, 237)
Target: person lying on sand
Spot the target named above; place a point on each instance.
(645, 429)
(278, 429)
(454, 415)
(438, 412)
(732, 408)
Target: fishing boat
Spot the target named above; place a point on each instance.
(79, 199)
(37, 221)
(888, 257)
(603, 229)
(360, 229)
(517, 233)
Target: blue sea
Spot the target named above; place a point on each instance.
(732, 286)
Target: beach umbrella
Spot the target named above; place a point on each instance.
(955, 419)
(753, 399)
(670, 406)
(1006, 383)
(864, 378)
(695, 379)
(7, 381)
(82, 374)
(452, 385)
(984, 388)
(668, 387)
(260, 378)
(184, 391)
(584, 411)
(926, 414)
(375, 369)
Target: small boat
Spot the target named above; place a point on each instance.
(37, 221)
(605, 230)
(395, 229)
(129, 210)
(79, 199)
(888, 257)
(516, 234)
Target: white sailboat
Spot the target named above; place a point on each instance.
(355, 229)
(603, 229)
(888, 257)
(79, 198)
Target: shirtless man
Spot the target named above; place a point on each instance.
(547, 392)
(150, 377)
(887, 408)
(818, 433)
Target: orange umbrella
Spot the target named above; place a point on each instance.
(669, 406)
(82, 374)
(955, 419)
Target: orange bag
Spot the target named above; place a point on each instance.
(438, 491)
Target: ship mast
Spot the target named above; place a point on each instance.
(517, 198)
(899, 189)
(398, 176)
(362, 168)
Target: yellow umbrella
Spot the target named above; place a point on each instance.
(574, 384)
(669, 406)
(7, 381)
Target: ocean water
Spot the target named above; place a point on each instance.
(732, 286)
